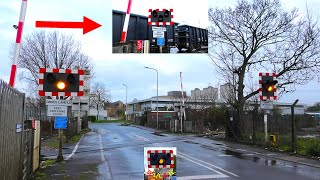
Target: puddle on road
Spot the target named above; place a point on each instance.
(218, 144)
(257, 159)
(157, 134)
(190, 142)
(210, 148)
(235, 154)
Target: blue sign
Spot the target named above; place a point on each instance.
(60, 122)
(160, 41)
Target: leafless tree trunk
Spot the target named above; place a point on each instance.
(260, 36)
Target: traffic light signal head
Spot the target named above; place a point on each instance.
(268, 86)
(160, 158)
(60, 82)
(158, 17)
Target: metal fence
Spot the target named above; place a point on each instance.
(11, 132)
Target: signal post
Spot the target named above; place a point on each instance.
(268, 94)
(159, 18)
(60, 83)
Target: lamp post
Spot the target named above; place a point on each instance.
(157, 95)
(98, 105)
(126, 102)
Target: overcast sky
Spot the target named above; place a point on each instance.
(117, 69)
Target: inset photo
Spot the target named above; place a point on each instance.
(153, 26)
(160, 163)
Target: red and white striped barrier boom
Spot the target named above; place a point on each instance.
(182, 95)
(126, 22)
(23, 11)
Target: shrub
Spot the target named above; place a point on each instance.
(313, 149)
(93, 118)
(285, 148)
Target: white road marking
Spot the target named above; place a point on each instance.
(103, 159)
(221, 169)
(224, 155)
(240, 149)
(248, 154)
(75, 149)
(179, 154)
(270, 154)
(188, 159)
(204, 177)
(140, 137)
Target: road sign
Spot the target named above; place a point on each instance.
(266, 104)
(58, 102)
(19, 128)
(139, 45)
(154, 28)
(57, 111)
(160, 41)
(158, 34)
(60, 122)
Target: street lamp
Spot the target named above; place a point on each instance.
(126, 101)
(157, 95)
(98, 104)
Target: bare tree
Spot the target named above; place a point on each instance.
(261, 36)
(99, 94)
(50, 50)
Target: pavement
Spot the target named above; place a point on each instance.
(52, 153)
(112, 151)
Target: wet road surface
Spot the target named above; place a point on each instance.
(118, 153)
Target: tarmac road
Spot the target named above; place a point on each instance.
(117, 151)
